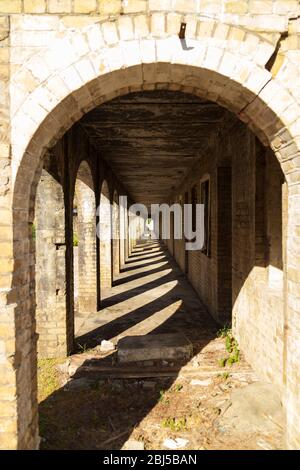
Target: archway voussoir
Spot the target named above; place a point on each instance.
(290, 114)
(86, 69)
(248, 46)
(276, 96)
(228, 64)
(108, 60)
(110, 33)
(165, 48)
(294, 128)
(95, 37)
(193, 56)
(148, 51)
(158, 24)
(131, 52)
(141, 26)
(242, 71)
(206, 29)
(257, 80)
(263, 53)
(71, 78)
(192, 24)
(125, 28)
(213, 58)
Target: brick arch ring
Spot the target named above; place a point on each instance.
(73, 80)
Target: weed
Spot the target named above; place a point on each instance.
(174, 424)
(75, 239)
(222, 362)
(223, 332)
(178, 387)
(82, 347)
(48, 377)
(33, 232)
(232, 348)
(162, 398)
(225, 375)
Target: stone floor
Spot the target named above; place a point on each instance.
(150, 296)
(199, 402)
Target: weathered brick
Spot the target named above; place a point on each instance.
(236, 6)
(34, 6)
(260, 6)
(10, 6)
(59, 6)
(188, 6)
(59, 69)
(286, 7)
(158, 23)
(135, 6)
(141, 25)
(157, 5)
(85, 6)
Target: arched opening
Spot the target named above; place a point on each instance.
(35, 149)
(84, 244)
(105, 240)
(116, 236)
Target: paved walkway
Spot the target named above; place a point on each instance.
(111, 405)
(151, 295)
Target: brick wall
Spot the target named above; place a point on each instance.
(254, 13)
(61, 61)
(243, 276)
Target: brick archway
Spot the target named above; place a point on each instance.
(86, 232)
(104, 234)
(229, 71)
(116, 235)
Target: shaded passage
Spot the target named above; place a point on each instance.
(148, 298)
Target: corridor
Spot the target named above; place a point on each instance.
(195, 323)
(198, 403)
(150, 296)
(107, 105)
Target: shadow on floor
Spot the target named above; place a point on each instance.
(133, 277)
(104, 416)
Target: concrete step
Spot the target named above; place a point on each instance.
(170, 346)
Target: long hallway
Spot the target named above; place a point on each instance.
(200, 402)
(150, 296)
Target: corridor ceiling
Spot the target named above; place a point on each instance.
(152, 139)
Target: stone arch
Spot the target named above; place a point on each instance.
(115, 235)
(229, 71)
(104, 232)
(84, 226)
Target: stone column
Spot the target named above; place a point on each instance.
(105, 241)
(50, 267)
(116, 238)
(87, 264)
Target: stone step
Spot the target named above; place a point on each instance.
(170, 346)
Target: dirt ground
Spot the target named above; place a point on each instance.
(89, 401)
(107, 413)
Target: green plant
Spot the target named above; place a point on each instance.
(222, 362)
(83, 347)
(226, 375)
(223, 332)
(33, 232)
(174, 424)
(232, 348)
(75, 239)
(234, 357)
(178, 387)
(162, 398)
